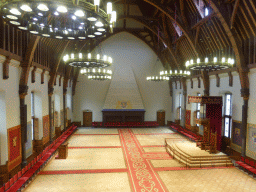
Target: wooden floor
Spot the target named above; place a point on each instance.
(123, 160)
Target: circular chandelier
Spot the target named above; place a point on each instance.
(214, 63)
(96, 72)
(87, 60)
(175, 74)
(157, 78)
(60, 20)
(101, 78)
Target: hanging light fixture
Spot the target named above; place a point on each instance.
(96, 72)
(158, 78)
(88, 60)
(175, 74)
(84, 21)
(211, 63)
(100, 78)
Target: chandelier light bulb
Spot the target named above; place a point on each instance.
(42, 7)
(26, 8)
(62, 9)
(191, 61)
(79, 13)
(97, 2)
(98, 56)
(232, 62)
(89, 55)
(187, 63)
(105, 58)
(223, 59)
(72, 56)
(215, 59)
(109, 8)
(15, 11)
(189, 72)
(99, 24)
(165, 72)
(170, 71)
(80, 55)
(56, 13)
(73, 17)
(40, 14)
(12, 17)
(198, 60)
(180, 71)
(206, 60)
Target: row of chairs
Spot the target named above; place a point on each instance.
(19, 180)
(247, 165)
(132, 124)
(188, 133)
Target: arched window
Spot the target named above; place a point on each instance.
(228, 115)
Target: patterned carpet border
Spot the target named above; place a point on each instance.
(154, 133)
(96, 147)
(92, 134)
(64, 172)
(187, 168)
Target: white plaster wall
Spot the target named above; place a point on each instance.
(252, 100)
(9, 94)
(237, 100)
(58, 97)
(126, 50)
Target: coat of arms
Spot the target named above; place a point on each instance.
(124, 104)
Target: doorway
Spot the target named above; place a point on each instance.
(87, 119)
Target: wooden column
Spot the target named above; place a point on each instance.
(184, 86)
(42, 76)
(23, 91)
(206, 81)
(50, 93)
(245, 93)
(6, 67)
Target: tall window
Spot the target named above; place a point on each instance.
(32, 113)
(198, 105)
(228, 115)
(180, 99)
(206, 11)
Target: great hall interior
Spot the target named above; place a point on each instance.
(127, 95)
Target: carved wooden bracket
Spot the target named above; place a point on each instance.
(60, 81)
(199, 82)
(191, 83)
(6, 67)
(175, 84)
(217, 80)
(55, 82)
(42, 76)
(33, 75)
(180, 83)
(230, 79)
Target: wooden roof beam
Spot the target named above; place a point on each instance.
(232, 20)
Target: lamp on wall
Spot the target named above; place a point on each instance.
(62, 19)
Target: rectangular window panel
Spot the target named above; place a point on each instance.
(228, 105)
(226, 133)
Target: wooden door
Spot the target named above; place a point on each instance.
(87, 119)
(161, 118)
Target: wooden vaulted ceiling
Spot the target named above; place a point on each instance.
(230, 26)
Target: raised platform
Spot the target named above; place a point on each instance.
(192, 156)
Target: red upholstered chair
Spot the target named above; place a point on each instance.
(11, 181)
(23, 171)
(7, 185)
(15, 177)
(19, 174)
(2, 189)
(26, 168)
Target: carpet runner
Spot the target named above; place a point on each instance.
(143, 177)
